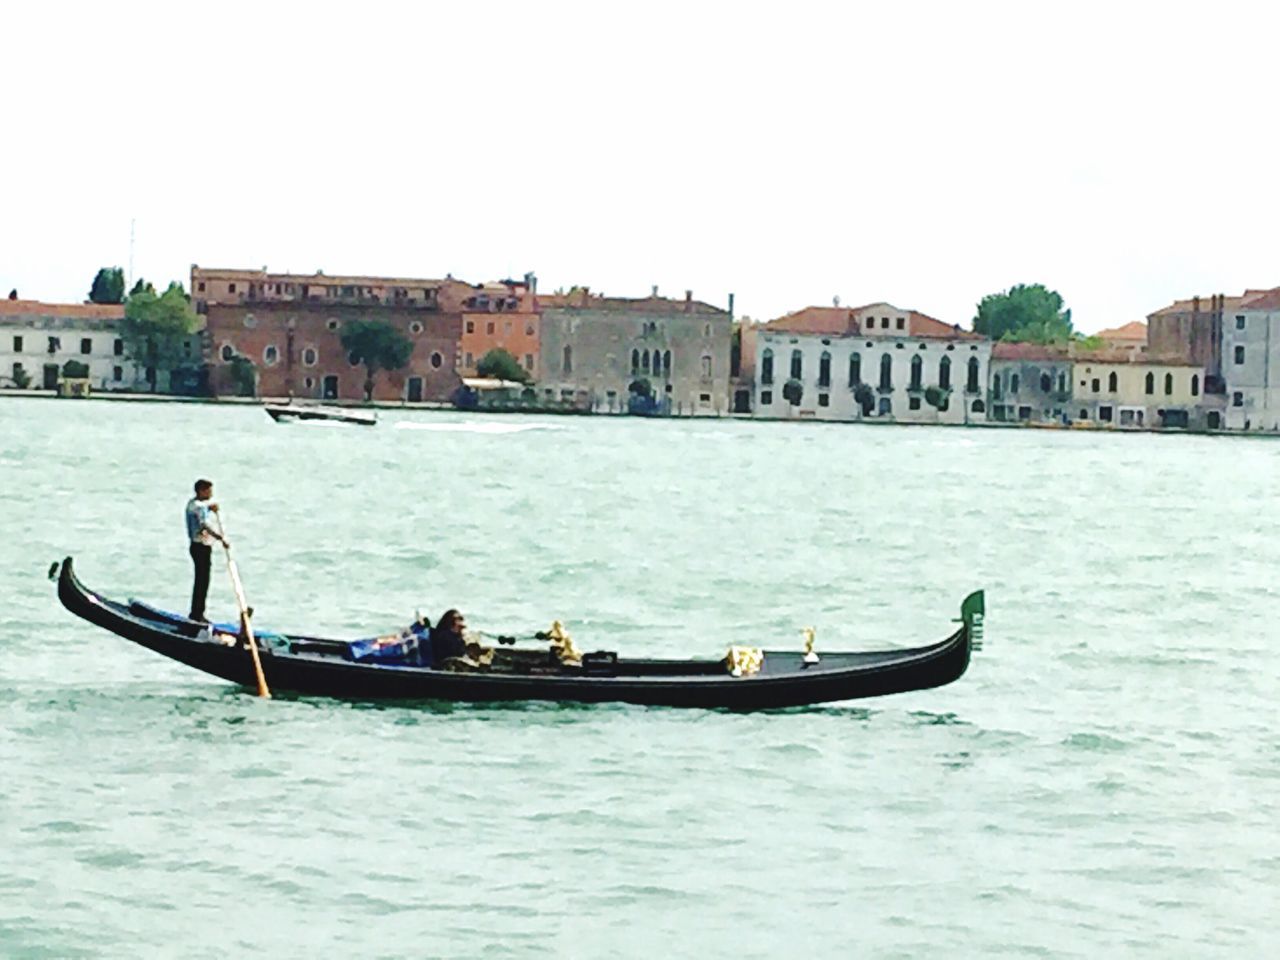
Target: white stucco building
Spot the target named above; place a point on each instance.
(1251, 362)
(37, 339)
(896, 355)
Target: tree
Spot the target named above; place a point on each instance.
(865, 398)
(21, 379)
(155, 327)
(937, 397)
(378, 345)
(502, 365)
(13, 294)
(75, 370)
(1028, 313)
(793, 392)
(244, 376)
(142, 286)
(108, 286)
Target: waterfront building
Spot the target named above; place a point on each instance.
(1251, 362)
(501, 315)
(1131, 336)
(37, 339)
(742, 363)
(1128, 389)
(1030, 382)
(671, 355)
(876, 362)
(288, 326)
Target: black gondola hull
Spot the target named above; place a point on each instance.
(785, 680)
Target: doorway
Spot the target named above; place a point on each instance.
(414, 390)
(51, 376)
(331, 387)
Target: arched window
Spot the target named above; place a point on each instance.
(644, 361)
(944, 373)
(886, 373)
(1046, 383)
(797, 365)
(666, 363)
(766, 367)
(979, 407)
(635, 361)
(995, 386)
(917, 371)
(1195, 384)
(1113, 382)
(855, 368)
(972, 385)
(1062, 383)
(1013, 384)
(1151, 383)
(567, 362)
(824, 369)
(1168, 384)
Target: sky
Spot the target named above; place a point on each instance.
(925, 154)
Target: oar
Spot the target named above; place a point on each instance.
(244, 612)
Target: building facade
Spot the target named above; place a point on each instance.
(1124, 389)
(37, 339)
(594, 350)
(501, 316)
(289, 327)
(874, 362)
(1030, 382)
(1251, 363)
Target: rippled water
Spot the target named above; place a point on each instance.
(1103, 782)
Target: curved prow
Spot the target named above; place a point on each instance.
(972, 612)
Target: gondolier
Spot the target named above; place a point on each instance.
(201, 536)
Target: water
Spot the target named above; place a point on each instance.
(1103, 782)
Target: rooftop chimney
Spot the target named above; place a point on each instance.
(654, 293)
(731, 306)
(688, 301)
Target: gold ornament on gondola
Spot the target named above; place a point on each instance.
(810, 635)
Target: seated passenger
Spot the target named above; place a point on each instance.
(448, 637)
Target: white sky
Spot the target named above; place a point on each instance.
(921, 153)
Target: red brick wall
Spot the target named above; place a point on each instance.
(296, 329)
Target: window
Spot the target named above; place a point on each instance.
(528, 361)
(1239, 354)
(1168, 384)
(1013, 382)
(979, 407)
(1237, 399)
(310, 356)
(706, 329)
(1046, 382)
(1104, 414)
(917, 368)
(86, 345)
(468, 361)
(886, 407)
(902, 323)
(488, 329)
(528, 329)
(995, 386)
(231, 288)
(17, 370)
(914, 403)
(824, 370)
(644, 361)
(824, 399)
(635, 361)
(250, 321)
(971, 383)
(1113, 382)
(704, 398)
(566, 364)
(855, 369)
(944, 373)
(270, 355)
(1096, 384)
(1239, 322)
(1062, 383)
(886, 373)
(436, 360)
(117, 374)
(1084, 414)
(55, 344)
(1151, 383)
(17, 344)
(506, 328)
(117, 348)
(471, 326)
(200, 286)
(1195, 384)
(766, 366)
(766, 398)
(333, 324)
(797, 365)
(706, 365)
(227, 352)
(666, 363)
(415, 327)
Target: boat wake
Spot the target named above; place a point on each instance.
(471, 427)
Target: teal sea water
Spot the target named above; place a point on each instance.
(1104, 782)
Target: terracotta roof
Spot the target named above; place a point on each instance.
(1028, 351)
(80, 311)
(923, 325)
(1124, 355)
(835, 321)
(267, 276)
(1186, 306)
(1263, 300)
(1134, 330)
(582, 300)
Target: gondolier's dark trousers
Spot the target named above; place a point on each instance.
(202, 557)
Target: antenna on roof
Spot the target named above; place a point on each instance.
(131, 223)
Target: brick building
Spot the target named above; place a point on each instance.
(289, 327)
(501, 315)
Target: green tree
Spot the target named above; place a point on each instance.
(793, 392)
(244, 376)
(108, 286)
(378, 345)
(21, 379)
(502, 365)
(1025, 312)
(937, 397)
(75, 370)
(865, 398)
(142, 286)
(155, 327)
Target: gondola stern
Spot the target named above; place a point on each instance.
(973, 611)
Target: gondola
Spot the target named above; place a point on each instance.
(323, 667)
(286, 412)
